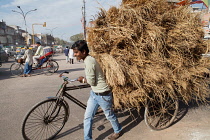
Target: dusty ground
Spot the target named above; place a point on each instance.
(19, 94)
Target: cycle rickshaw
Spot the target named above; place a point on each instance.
(47, 118)
(48, 66)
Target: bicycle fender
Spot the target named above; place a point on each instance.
(66, 104)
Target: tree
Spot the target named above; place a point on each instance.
(77, 37)
(59, 41)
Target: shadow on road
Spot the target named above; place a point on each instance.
(5, 70)
(133, 118)
(183, 108)
(69, 70)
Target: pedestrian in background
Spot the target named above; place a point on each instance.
(71, 56)
(28, 62)
(66, 52)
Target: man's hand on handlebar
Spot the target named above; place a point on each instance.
(82, 79)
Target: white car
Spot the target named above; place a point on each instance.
(3, 56)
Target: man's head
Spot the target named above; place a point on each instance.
(80, 49)
(38, 43)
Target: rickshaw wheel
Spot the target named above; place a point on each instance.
(160, 113)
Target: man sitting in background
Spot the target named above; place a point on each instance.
(47, 53)
(38, 54)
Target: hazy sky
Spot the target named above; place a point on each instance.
(63, 17)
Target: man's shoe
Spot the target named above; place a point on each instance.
(114, 136)
(23, 75)
(28, 75)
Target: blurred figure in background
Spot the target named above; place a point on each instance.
(71, 56)
(7, 52)
(66, 52)
(28, 62)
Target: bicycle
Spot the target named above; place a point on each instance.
(49, 66)
(47, 118)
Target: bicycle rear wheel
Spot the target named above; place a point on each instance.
(45, 120)
(16, 69)
(160, 113)
(55, 64)
(50, 66)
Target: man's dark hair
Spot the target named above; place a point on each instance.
(38, 43)
(81, 45)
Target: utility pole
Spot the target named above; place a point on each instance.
(24, 17)
(44, 25)
(84, 19)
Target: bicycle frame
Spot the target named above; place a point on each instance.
(56, 113)
(36, 68)
(148, 112)
(62, 93)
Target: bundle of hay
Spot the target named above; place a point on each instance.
(148, 48)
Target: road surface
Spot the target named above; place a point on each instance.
(19, 94)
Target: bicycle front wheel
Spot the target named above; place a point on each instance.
(45, 120)
(16, 69)
(161, 112)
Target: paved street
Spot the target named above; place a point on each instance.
(19, 94)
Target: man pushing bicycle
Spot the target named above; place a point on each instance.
(100, 95)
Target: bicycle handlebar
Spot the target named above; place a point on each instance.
(66, 78)
(70, 80)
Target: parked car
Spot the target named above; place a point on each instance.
(9, 52)
(20, 52)
(18, 55)
(3, 56)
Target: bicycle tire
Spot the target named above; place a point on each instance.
(16, 69)
(39, 124)
(56, 66)
(160, 113)
(50, 67)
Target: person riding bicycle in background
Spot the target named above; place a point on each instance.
(28, 62)
(100, 95)
(38, 54)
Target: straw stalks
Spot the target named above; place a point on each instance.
(148, 48)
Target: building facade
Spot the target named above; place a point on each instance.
(12, 35)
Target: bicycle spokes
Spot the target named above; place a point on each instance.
(45, 120)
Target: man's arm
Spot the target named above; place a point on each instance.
(25, 55)
(90, 74)
(37, 51)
